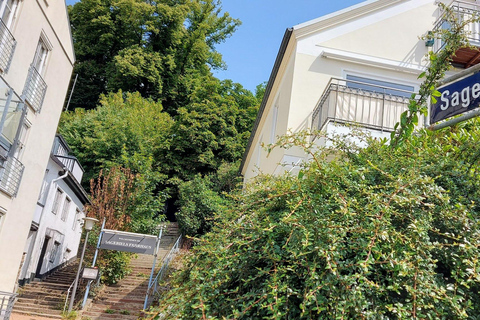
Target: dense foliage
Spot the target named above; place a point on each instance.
(201, 198)
(159, 49)
(379, 233)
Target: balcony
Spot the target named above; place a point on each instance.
(73, 165)
(11, 117)
(7, 47)
(35, 89)
(364, 104)
(11, 171)
(7, 300)
(462, 11)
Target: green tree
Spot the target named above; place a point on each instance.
(125, 130)
(154, 48)
(212, 129)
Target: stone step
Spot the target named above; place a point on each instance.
(36, 314)
(129, 294)
(103, 315)
(39, 301)
(38, 311)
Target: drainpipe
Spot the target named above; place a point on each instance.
(41, 217)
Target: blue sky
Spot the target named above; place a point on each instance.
(250, 53)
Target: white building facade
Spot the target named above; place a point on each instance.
(356, 66)
(57, 224)
(36, 62)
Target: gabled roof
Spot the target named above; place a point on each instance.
(342, 16)
(304, 30)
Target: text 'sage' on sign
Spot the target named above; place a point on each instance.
(456, 98)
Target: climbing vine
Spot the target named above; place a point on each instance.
(453, 38)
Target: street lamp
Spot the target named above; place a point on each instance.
(88, 225)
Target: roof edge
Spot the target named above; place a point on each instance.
(340, 16)
(273, 75)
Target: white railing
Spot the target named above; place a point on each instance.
(363, 104)
(7, 300)
(461, 11)
(35, 89)
(11, 172)
(68, 295)
(7, 47)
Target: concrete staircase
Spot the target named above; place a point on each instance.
(47, 297)
(125, 299)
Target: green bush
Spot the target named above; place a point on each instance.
(377, 234)
(114, 265)
(201, 198)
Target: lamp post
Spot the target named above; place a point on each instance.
(89, 222)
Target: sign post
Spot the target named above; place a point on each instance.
(127, 242)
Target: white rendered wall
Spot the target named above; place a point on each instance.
(31, 21)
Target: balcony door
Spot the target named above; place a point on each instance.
(8, 9)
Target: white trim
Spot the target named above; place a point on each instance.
(46, 42)
(371, 61)
(362, 14)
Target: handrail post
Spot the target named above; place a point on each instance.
(153, 268)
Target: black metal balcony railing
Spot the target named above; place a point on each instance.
(7, 300)
(461, 11)
(35, 89)
(344, 101)
(7, 47)
(11, 172)
(73, 165)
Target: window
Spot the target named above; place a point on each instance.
(40, 57)
(36, 87)
(8, 10)
(53, 254)
(75, 221)
(66, 207)
(43, 190)
(379, 86)
(57, 200)
(274, 124)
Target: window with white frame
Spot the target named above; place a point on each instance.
(43, 190)
(40, 57)
(2, 218)
(57, 200)
(75, 221)
(8, 10)
(66, 207)
(54, 252)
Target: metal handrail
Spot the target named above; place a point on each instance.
(11, 172)
(35, 89)
(68, 295)
(7, 300)
(7, 47)
(152, 290)
(70, 161)
(459, 8)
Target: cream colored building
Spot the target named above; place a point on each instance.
(36, 61)
(355, 66)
